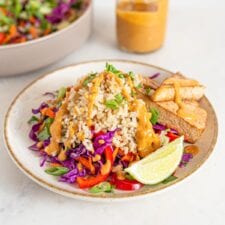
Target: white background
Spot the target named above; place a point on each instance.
(195, 45)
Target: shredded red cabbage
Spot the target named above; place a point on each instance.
(174, 131)
(72, 175)
(58, 14)
(185, 159)
(43, 160)
(106, 139)
(42, 106)
(33, 131)
(159, 127)
(34, 147)
(74, 153)
(154, 76)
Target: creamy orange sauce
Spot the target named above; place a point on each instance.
(56, 131)
(62, 155)
(141, 24)
(192, 149)
(183, 111)
(147, 140)
(93, 94)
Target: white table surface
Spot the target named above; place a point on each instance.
(195, 45)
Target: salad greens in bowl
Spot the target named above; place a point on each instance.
(31, 29)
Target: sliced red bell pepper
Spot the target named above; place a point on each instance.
(107, 167)
(104, 173)
(126, 185)
(172, 136)
(2, 38)
(91, 181)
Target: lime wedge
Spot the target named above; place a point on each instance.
(159, 165)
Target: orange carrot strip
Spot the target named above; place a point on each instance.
(55, 164)
(115, 152)
(48, 112)
(33, 32)
(128, 157)
(32, 19)
(87, 163)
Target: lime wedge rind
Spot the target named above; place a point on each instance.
(159, 165)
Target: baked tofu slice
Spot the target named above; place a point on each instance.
(169, 118)
(200, 115)
(189, 89)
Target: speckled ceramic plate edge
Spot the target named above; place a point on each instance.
(88, 196)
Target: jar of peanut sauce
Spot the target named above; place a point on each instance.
(141, 24)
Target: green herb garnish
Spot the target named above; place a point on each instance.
(131, 75)
(155, 115)
(114, 103)
(45, 133)
(61, 93)
(112, 69)
(139, 86)
(169, 179)
(148, 91)
(89, 79)
(33, 119)
(102, 187)
(57, 171)
(133, 93)
(119, 98)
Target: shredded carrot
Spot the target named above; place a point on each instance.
(32, 19)
(128, 157)
(87, 163)
(12, 34)
(3, 10)
(48, 112)
(115, 152)
(47, 31)
(33, 31)
(55, 164)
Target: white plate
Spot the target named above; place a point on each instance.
(16, 129)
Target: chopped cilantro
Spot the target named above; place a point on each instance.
(139, 86)
(112, 104)
(45, 133)
(33, 119)
(119, 98)
(148, 90)
(61, 93)
(155, 115)
(89, 79)
(131, 75)
(112, 69)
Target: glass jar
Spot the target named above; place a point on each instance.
(141, 24)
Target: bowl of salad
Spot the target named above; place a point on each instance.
(36, 33)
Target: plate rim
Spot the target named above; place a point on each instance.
(89, 196)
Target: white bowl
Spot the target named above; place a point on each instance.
(32, 55)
